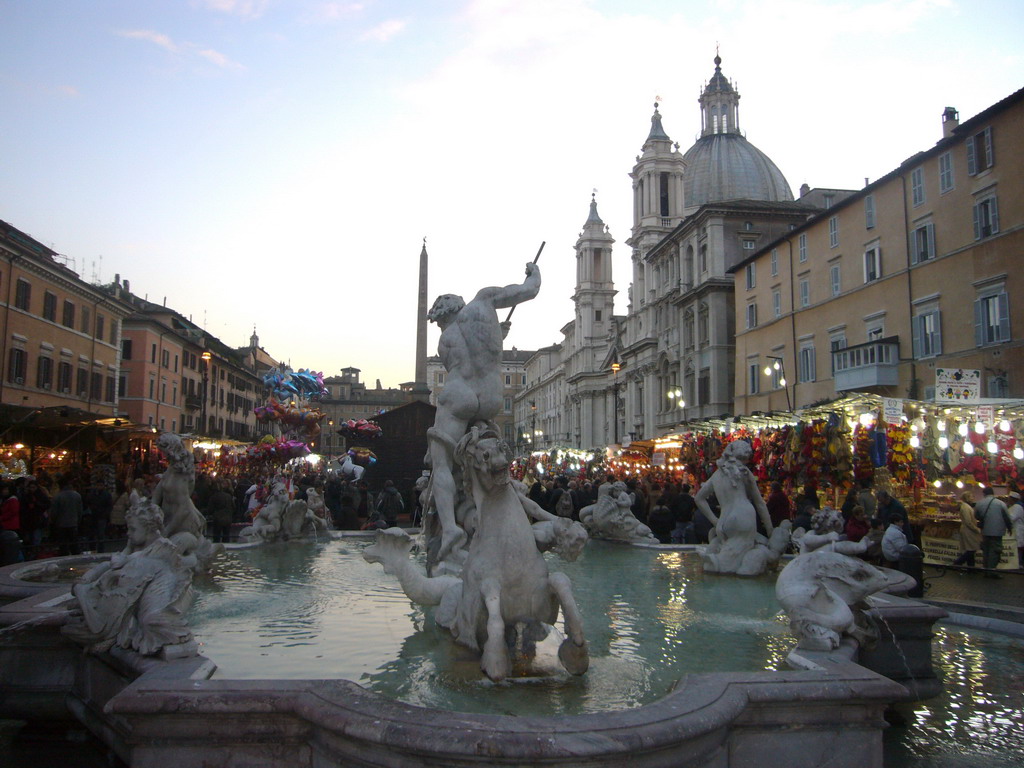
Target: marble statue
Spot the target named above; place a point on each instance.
(297, 519)
(470, 348)
(611, 516)
(136, 600)
(826, 532)
(183, 523)
(824, 594)
(505, 602)
(735, 545)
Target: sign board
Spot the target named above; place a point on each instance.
(957, 385)
(987, 414)
(945, 551)
(892, 410)
(658, 459)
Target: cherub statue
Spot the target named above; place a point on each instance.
(611, 516)
(137, 600)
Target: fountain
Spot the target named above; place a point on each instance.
(156, 708)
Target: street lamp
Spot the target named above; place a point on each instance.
(206, 357)
(779, 367)
(675, 396)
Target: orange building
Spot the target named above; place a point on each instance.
(914, 273)
(61, 336)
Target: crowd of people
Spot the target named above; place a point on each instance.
(70, 514)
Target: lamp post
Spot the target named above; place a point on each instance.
(780, 367)
(675, 397)
(206, 357)
(615, 403)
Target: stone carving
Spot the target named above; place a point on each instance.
(505, 601)
(735, 545)
(824, 594)
(610, 517)
(470, 348)
(281, 518)
(183, 523)
(137, 599)
(827, 533)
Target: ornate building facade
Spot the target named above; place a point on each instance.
(669, 359)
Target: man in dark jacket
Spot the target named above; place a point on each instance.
(390, 504)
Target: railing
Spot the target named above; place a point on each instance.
(872, 364)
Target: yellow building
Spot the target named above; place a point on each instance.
(915, 272)
(60, 337)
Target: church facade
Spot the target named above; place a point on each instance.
(670, 359)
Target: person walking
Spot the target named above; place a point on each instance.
(969, 535)
(994, 522)
(66, 512)
(1016, 515)
(390, 504)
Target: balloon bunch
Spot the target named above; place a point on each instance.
(307, 419)
(276, 450)
(364, 457)
(360, 430)
(286, 384)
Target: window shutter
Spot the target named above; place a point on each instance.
(977, 222)
(1003, 302)
(990, 152)
(993, 207)
(878, 263)
(913, 247)
(979, 320)
(930, 234)
(915, 325)
(937, 346)
(972, 162)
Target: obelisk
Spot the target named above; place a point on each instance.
(420, 389)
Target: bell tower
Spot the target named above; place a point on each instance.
(594, 296)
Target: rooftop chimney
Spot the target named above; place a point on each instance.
(804, 189)
(950, 120)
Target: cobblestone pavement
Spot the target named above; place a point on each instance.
(969, 586)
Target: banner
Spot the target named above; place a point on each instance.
(957, 385)
(945, 551)
(892, 410)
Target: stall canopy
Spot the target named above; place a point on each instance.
(59, 426)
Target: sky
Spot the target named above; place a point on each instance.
(277, 164)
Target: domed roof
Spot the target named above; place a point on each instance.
(725, 166)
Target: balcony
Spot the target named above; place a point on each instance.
(872, 364)
(193, 402)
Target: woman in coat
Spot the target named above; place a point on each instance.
(970, 533)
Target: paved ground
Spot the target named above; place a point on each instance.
(990, 603)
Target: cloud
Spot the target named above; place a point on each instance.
(154, 37)
(249, 9)
(386, 30)
(336, 11)
(180, 49)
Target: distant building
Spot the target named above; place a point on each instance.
(60, 337)
(177, 377)
(669, 359)
(348, 398)
(915, 272)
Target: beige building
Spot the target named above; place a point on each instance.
(60, 337)
(915, 272)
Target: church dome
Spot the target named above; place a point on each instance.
(725, 166)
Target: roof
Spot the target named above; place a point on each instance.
(725, 166)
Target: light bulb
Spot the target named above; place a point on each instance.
(968, 448)
(979, 427)
(866, 419)
(1018, 453)
(962, 429)
(937, 483)
(767, 370)
(1004, 425)
(943, 442)
(959, 483)
(991, 446)
(915, 442)
(782, 382)
(941, 424)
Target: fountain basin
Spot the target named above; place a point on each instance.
(157, 713)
